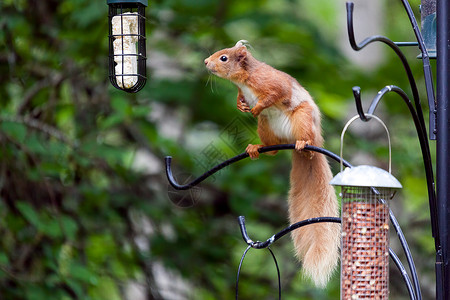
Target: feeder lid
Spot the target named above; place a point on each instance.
(143, 2)
(366, 176)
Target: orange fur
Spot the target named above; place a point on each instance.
(287, 114)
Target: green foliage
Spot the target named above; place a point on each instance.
(85, 211)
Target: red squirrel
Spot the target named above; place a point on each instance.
(287, 113)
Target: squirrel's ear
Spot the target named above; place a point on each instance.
(241, 53)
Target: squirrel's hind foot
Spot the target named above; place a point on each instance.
(252, 151)
(300, 146)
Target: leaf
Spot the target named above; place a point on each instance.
(29, 213)
(51, 227)
(110, 121)
(121, 106)
(65, 259)
(35, 144)
(141, 111)
(100, 248)
(35, 292)
(77, 287)
(82, 273)
(4, 260)
(106, 289)
(70, 227)
(15, 130)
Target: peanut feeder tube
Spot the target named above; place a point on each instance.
(365, 193)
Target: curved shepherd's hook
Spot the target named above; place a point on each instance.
(391, 44)
(239, 157)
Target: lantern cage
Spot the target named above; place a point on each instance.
(127, 51)
(365, 193)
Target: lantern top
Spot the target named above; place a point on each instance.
(366, 176)
(143, 2)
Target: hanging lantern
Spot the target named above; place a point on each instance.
(365, 193)
(127, 54)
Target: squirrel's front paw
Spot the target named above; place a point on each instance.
(256, 111)
(252, 151)
(242, 105)
(300, 146)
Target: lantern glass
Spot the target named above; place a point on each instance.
(428, 20)
(365, 242)
(127, 51)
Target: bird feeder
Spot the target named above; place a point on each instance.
(127, 53)
(365, 194)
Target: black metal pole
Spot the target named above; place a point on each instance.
(443, 149)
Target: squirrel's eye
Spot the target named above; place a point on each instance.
(223, 58)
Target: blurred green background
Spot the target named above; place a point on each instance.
(85, 208)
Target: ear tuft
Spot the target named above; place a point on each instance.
(241, 43)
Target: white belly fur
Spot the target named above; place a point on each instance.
(278, 120)
(279, 123)
(250, 98)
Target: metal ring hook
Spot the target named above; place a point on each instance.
(357, 95)
(371, 117)
(240, 268)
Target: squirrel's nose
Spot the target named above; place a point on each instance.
(206, 62)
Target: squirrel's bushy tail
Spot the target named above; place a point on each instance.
(310, 196)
